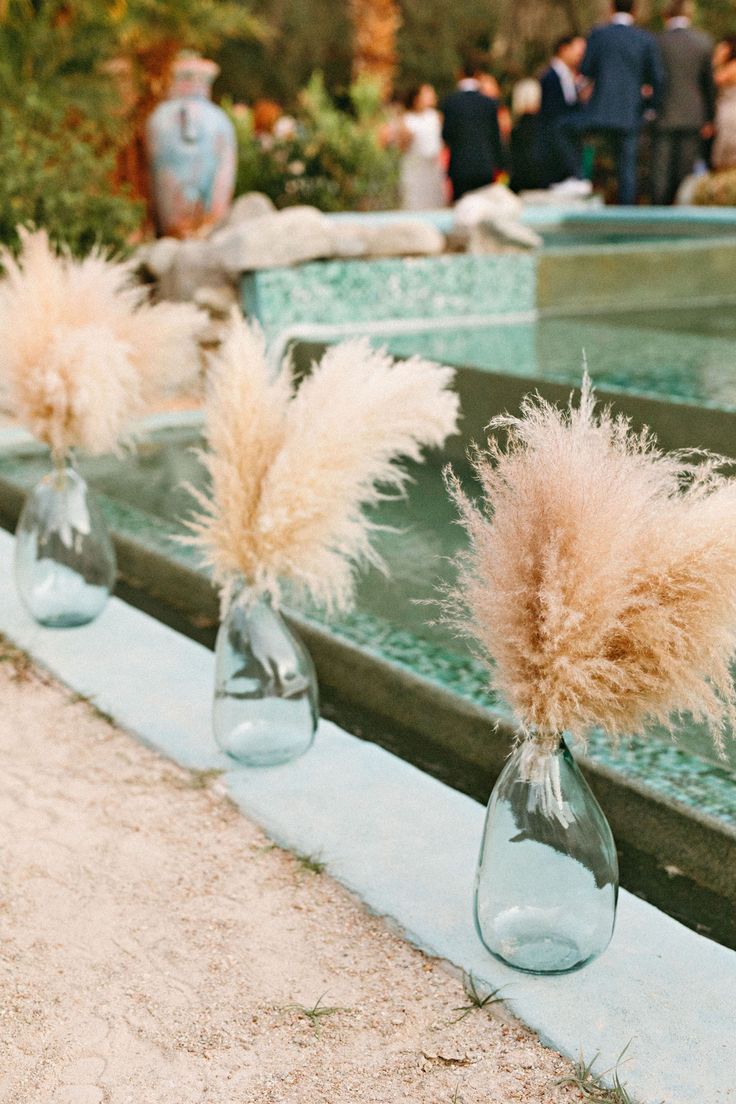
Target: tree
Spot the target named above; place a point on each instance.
(375, 26)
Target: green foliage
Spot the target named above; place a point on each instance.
(54, 175)
(190, 24)
(333, 160)
(304, 35)
(61, 122)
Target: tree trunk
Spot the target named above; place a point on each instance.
(375, 24)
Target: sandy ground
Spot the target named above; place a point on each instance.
(156, 949)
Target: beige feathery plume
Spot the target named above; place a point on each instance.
(82, 352)
(601, 575)
(291, 473)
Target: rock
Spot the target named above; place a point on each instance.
(413, 238)
(349, 240)
(485, 203)
(250, 205)
(407, 238)
(491, 218)
(287, 237)
(501, 234)
(157, 257)
(217, 301)
(193, 265)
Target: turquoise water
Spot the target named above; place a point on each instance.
(688, 354)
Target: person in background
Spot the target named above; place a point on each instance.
(724, 74)
(471, 133)
(559, 143)
(419, 138)
(490, 87)
(526, 171)
(687, 106)
(624, 63)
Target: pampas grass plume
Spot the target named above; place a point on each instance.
(82, 352)
(600, 579)
(291, 473)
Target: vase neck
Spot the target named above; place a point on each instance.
(545, 743)
(62, 460)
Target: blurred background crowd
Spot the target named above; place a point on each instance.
(363, 104)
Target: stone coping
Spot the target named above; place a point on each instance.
(407, 845)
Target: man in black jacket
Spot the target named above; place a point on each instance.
(471, 133)
(558, 144)
(688, 102)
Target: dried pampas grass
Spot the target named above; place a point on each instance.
(601, 575)
(291, 473)
(82, 352)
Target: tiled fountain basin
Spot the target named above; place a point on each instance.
(389, 679)
(592, 261)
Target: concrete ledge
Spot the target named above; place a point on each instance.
(407, 845)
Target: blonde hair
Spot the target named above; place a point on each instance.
(526, 97)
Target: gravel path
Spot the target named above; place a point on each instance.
(156, 949)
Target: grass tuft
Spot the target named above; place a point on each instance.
(316, 1013)
(477, 999)
(311, 863)
(591, 1084)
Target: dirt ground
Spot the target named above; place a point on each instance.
(156, 949)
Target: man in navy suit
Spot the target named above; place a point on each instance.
(624, 63)
(470, 131)
(688, 104)
(558, 145)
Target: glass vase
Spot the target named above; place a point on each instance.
(266, 701)
(64, 557)
(547, 880)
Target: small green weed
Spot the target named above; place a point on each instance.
(476, 998)
(591, 1084)
(311, 863)
(316, 1013)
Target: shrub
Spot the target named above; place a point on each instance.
(333, 160)
(54, 174)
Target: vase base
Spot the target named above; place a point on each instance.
(66, 620)
(253, 745)
(542, 956)
(520, 938)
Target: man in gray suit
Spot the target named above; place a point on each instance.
(687, 106)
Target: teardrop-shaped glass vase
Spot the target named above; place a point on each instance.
(266, 700)
(64, 557)
(547, 880)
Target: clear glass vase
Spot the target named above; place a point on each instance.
(64, 557)
(266, 700)
(547, 879)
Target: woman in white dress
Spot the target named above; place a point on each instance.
(724, 74)
(422, 180)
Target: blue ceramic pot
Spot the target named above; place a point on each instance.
(192, 152)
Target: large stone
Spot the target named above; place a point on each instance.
(157, 257)
(405, 238)
(250, 205)
(192, 265)
(284, 238)
(490, 219)
(500, 234)
(217, 301)
(487, 203)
